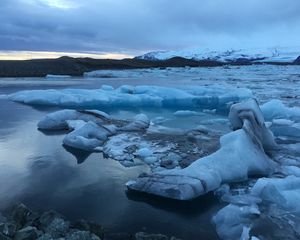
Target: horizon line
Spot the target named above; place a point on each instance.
(30, 55)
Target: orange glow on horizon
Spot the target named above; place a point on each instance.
(27, 55)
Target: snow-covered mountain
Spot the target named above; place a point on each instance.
(257, 55)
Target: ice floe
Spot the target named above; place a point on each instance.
(60, 120)
(51, 76)
(233, 222)
(284, 192)
(208, 97)
(276, 109)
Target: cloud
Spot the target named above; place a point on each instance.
(135, 26)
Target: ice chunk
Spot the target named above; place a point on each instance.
(212, 97)
(286, 130)
(88, 137)
(144, 152)
(284, 192)
(107, 87)
(233, 221)
(276, 109)
(59, 120)
(291, 170)
(51, 76)
(75, 124)
(184, 113)
(122, 147)
(283, 122)
(247, 115)
(254, 238)
(241, 154)
(140, 122)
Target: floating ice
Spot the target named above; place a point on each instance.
(184, 113)
(285, 122)
(276, 109)
(212, 97)
(90, 129)
(59, 120)
(232, 221)
(249, 117)
(144, 152)
(88, 137)
(57, 76)
(243, 152)
(140, 122)
(284, 192)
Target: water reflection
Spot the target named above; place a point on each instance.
(80, 155)
(36, 169)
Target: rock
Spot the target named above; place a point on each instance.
(8, 229)
(27, 233)
(81, 235)
(84, 225)
(20, 214)
(3, 237)
(58, 228)
(146, 236)
(53, 223)
(45, 236)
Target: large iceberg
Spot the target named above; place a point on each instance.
(241, 154)
(191, 97)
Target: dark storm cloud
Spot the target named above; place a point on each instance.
(141, 25)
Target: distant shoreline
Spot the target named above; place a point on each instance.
(78, 66)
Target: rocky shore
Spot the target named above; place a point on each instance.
(21, 223)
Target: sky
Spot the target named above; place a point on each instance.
(126, 28)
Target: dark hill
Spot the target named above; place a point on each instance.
(77, 66)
